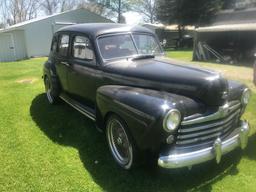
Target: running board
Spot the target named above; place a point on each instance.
(78, 106)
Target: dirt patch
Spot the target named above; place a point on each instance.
(27, 81)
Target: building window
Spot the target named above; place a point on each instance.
(82, 48)
(63, 45)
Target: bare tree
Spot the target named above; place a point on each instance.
(94, 7)
(15, 11)
(146, 7)
(99, 7)
(66, 5)
(107, 8)
(50, 6)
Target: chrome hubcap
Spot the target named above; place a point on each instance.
(119, 143)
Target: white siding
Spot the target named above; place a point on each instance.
(12, 46)
(39, 34)
(38, 38)
(33, 39)
(7, 52)
(19, 44)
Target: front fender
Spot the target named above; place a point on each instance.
(143, 111)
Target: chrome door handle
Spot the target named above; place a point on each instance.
(65, 63)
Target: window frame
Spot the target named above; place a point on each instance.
(58, 45)
(133, 40)
(115, 34)
(154, 37)
(80, 60)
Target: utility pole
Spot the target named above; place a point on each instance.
(119, 11)
(119, 8)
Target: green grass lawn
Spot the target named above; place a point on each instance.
(185, 55)
(55, 148)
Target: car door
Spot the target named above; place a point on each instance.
(62, 59)
(84, 74)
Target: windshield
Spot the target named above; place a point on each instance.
(147, 44)
(128, 45)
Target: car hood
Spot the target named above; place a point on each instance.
(208, 86)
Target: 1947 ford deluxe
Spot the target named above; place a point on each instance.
(115, 75)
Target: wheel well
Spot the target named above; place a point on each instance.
(44, 77)
(107, 116)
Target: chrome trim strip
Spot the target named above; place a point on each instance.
(234, 107)
(204, 132)
(194, 140)
(223, 111)
(177, 160)
(197, 139)
(203, 127)
(78, 108)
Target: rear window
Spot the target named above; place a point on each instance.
(63, 45)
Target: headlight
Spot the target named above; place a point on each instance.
(246, 96)
(172, 120)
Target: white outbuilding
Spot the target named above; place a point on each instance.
(33, 38)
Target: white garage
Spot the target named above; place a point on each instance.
(33, 38)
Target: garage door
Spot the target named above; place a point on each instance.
(7, 49)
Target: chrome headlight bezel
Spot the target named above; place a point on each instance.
(174, 116)
(245, 98)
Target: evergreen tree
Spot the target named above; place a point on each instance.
(187, 12)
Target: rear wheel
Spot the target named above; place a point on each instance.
(51, 90)
(120, 142)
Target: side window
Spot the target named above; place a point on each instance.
(82, 48)
(63, 45)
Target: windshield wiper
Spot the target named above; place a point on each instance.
(138, 57)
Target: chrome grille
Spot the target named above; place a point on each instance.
(220, 124)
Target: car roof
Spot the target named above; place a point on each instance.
(97, 29)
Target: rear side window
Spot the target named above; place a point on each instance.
(82, 48)
(63, 45)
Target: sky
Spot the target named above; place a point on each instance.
(133, 18)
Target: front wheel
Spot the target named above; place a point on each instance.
(120, 143)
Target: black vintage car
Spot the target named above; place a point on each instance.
(115, 75)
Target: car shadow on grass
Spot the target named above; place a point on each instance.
(65, 126)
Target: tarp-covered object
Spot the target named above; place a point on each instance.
(231, 38)
(226, 44)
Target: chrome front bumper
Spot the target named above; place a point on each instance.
(219, 148)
